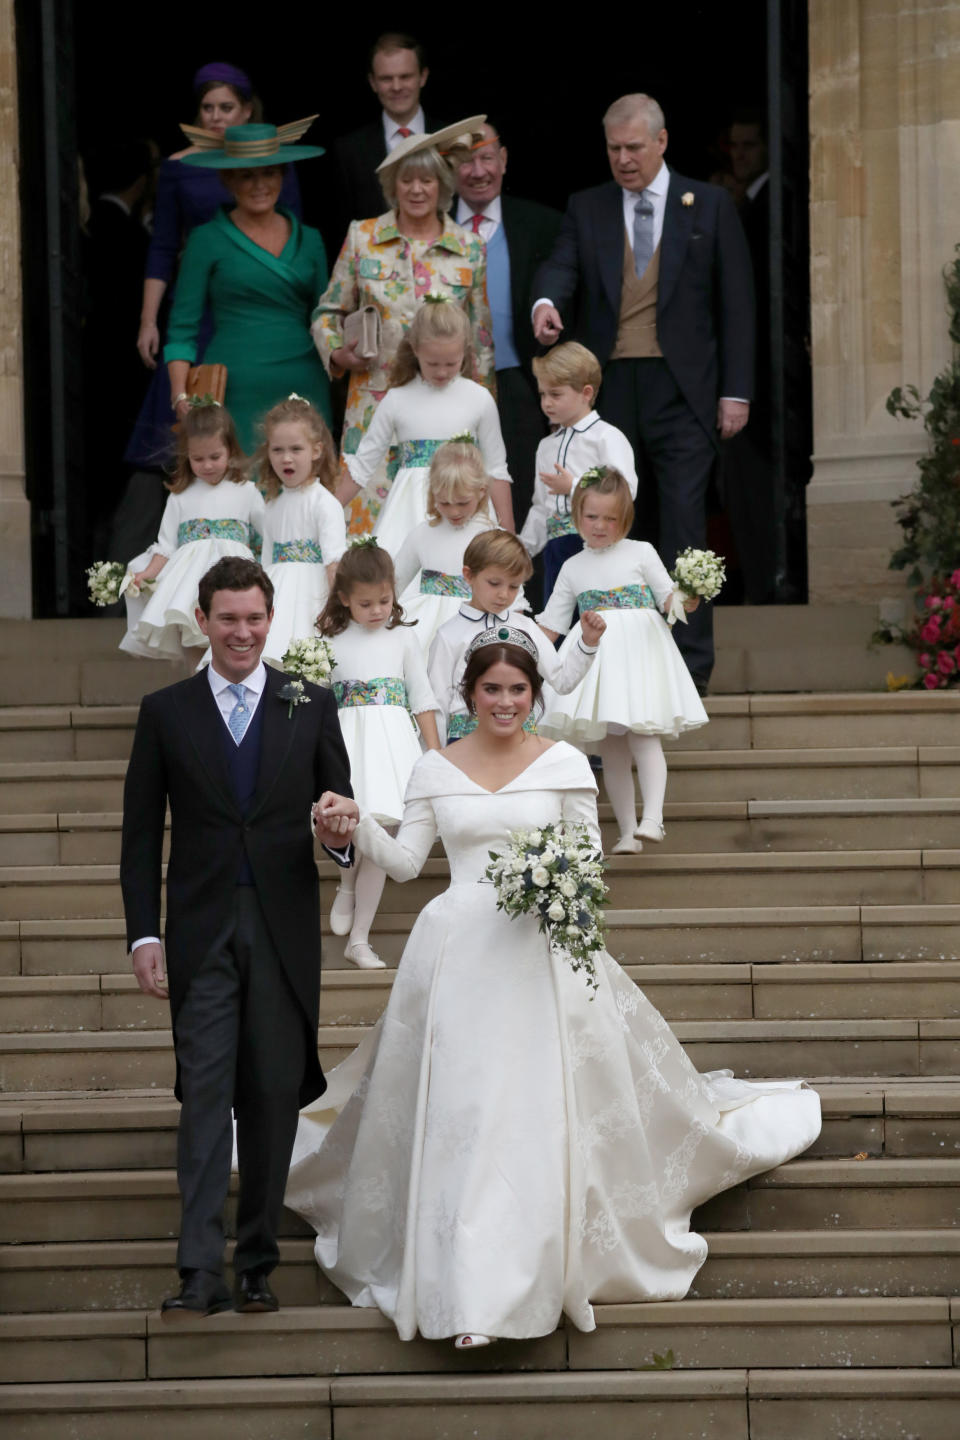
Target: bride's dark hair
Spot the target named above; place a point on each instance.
(481, 660)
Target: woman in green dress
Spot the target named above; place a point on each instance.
(260, 271)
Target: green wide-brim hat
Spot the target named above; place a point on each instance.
(247, 147)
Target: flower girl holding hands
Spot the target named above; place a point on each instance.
(212, 511)
(303, 527)
(430, 400)
(379, 680)
(429, 565)
(639, 687)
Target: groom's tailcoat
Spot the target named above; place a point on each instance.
(705, 325)
(179, 756)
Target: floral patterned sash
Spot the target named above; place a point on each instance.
(189, 530)
(435, 582)
(381, 690)
(622, 597)
(307, 551)
(558, 525)
(460, 724)
(417, 454)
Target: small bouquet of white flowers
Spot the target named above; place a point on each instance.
(311, 658)
(698, 573)
(104, 579)
(556, 873)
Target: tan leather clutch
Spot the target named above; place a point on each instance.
(364, 325)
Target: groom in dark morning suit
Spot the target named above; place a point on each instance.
(654, 273)
(240, 761)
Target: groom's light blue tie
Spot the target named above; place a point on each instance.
(642, 233)
(239, 717)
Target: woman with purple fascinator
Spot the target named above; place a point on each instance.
(187, 197)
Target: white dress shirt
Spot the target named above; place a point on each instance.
(492, 217)
(417, 125)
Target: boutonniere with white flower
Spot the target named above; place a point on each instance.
(686, 198)
(292, 694)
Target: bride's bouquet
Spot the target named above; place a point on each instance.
(556, 873)
(698, 573)
(104, 579)
(312, 659)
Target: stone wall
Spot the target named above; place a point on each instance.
(884, 218)
(15, 592)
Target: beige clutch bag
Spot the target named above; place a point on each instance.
(364, 326)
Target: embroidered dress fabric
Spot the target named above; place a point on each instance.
(418, 418)
(429, 568)
(304, 531)
(501, 1149)
(384, 682)
(216, 520)
(639, 681)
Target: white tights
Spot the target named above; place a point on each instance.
(367, 881)
(620, 753)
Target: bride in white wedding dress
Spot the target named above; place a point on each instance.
(502, 1148)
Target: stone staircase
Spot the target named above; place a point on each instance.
(802, 918)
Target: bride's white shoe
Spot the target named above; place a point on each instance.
(473, 1342)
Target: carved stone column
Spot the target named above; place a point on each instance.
(15, 590)
(884, 220)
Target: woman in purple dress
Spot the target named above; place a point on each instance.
(187, 197)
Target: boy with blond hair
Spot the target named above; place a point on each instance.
(568, 378)
(495, 565)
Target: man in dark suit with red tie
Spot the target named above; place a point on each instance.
(239, 756)
(397, 74)
(654, 273)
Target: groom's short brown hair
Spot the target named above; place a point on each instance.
(233, 572)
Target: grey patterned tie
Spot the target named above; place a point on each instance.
(642, 233)
(239, 717)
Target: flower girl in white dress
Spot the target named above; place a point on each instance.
(639, 688)
(430, 401)
(212, 511)
(380, 682)
(429, 565)
(503, 1149)
(304, 534)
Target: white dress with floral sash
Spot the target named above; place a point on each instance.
(303, 532)
(199, 527)
(429, 567)
(502, 1149)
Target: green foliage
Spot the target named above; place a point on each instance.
(929, 516)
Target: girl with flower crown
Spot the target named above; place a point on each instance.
(430, 400)
(212, 511)
(638, 688)
(380, 682)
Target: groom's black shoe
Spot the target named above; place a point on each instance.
(252, 1293)
(202, 1293)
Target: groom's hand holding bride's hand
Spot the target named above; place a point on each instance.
(334, 819)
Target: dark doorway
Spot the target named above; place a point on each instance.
(123, 71)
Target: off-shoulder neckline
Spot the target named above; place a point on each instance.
(535, 761)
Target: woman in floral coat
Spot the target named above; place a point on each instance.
(391, 262)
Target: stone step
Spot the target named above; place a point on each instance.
(798, 991)
(902, 771)
(762, 934)
(753, 1049)
(749, 722)
(125, 1129)
(136, 1274)
(807, 1194)
(739, 879)
(738, 1404)
(332, 1340)
(88, 837)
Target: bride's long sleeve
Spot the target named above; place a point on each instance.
(580, 806)
(401, 856)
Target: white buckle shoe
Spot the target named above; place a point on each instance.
(627, 845)
(473, 1342)
(650, 830)
(363, 956)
